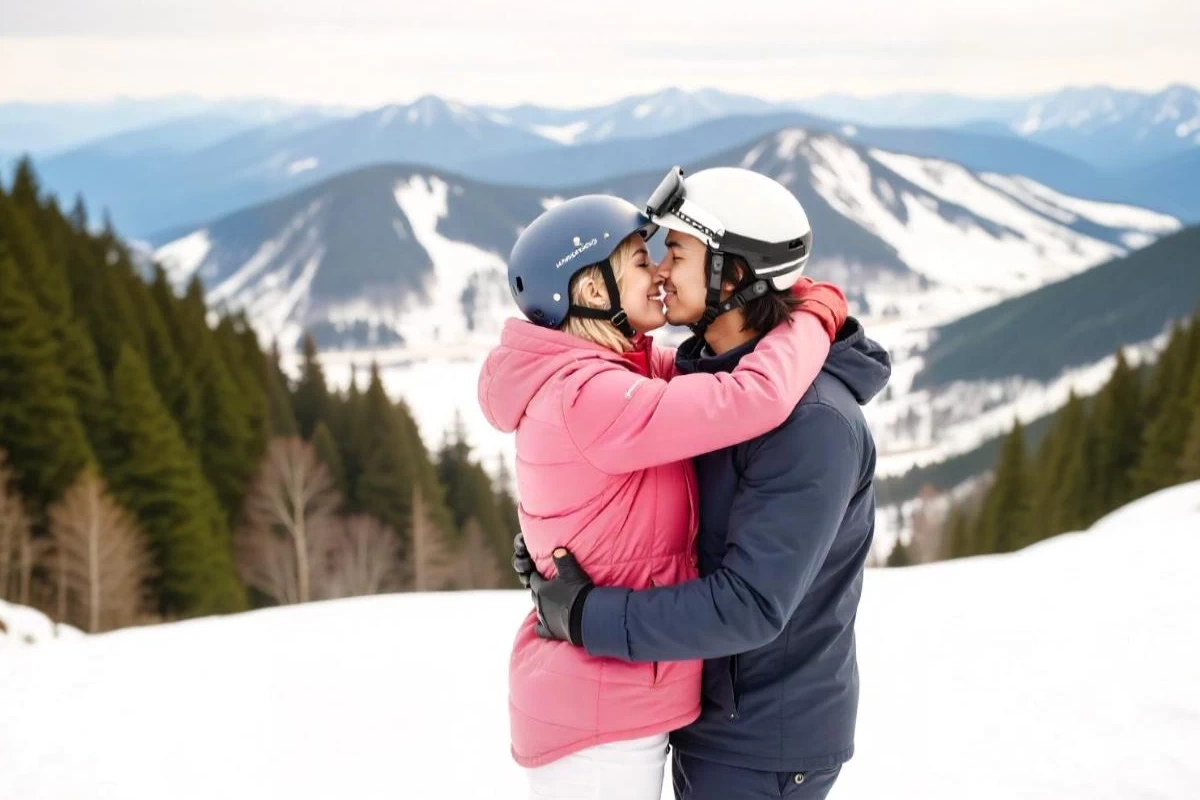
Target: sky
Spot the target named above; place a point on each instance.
(569, 53)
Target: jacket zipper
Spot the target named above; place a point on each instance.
(654, 664)
(733, 681)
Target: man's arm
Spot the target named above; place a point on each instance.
(788, 509)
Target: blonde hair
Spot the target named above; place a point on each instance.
(601, 331)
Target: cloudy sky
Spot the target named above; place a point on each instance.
(569, 53)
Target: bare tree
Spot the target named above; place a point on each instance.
(432, 567)
(475, 565)
(928, 527)
(101, 557)
(16, 562)
(290, 518)
(364, 559)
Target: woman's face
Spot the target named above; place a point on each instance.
(641, 291)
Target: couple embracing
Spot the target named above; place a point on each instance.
(695, 521)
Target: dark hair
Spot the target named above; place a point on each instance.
(764, 313)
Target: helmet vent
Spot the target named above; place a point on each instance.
(520, 284)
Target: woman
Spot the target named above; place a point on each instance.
(603, 448)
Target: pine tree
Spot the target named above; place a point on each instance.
(172, 379)
(1167, 429)
(75, 352)
(957, 541)
(279, 401)
(227, 444)
(1189, 461)
(99, 293)
(506, 507)
(1005, 516)
(384, 487)
(161, 482)
(899, 556)
(249, 376)
(425, 474)
(469, 493)
(39, 424)
(327, 453)
(1170, 372)
(1049, 469)
(26, 191)
(79, 215)
(350, 432)
(1117, 432)
(311, 399)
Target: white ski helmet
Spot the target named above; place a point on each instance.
(737, 212)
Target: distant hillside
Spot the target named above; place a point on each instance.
(1074, 322)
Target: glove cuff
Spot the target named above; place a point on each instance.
(576, 623)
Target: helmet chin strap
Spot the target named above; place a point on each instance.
(614, 314)
(713, 307)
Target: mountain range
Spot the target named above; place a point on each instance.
(170, 174)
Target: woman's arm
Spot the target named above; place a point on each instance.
(623, 422)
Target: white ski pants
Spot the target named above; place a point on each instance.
(630, 770)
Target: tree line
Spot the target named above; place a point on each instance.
(156, 462)
(1140, 433)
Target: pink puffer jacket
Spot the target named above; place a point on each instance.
(603, 468)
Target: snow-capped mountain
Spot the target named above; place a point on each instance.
(1109, 127)
(968, 668)
(408, 263)
(145, 195)
(383, 256)
(916, 109)
(1115, 128)
(640, 116)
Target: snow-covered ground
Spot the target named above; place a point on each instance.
(1068, 670)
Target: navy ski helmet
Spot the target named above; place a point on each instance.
(576, 234)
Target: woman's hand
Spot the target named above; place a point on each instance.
(825, 301)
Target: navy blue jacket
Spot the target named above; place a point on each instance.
(786, 522)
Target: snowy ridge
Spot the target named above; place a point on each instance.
(182, 257)
(455, 266)
(962, 678)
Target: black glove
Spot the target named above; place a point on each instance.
(522, 562)
(559, 602)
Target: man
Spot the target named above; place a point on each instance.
(786, 520)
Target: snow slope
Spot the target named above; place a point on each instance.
(1068, 671)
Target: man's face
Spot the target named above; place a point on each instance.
(683, 270)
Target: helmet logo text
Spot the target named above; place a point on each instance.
(592, 243)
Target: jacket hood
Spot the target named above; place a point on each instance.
(859, 362)
(527, 357)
